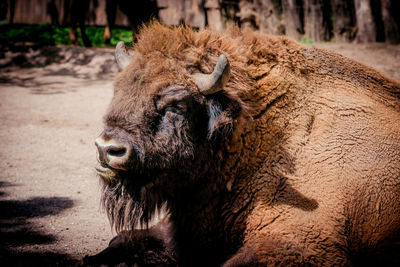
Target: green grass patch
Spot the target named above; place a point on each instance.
(306, 41)
(47, 34)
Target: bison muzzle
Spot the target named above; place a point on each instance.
(259, 151)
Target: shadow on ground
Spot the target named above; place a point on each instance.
(54, 70)
(16, 230)
(26, 57)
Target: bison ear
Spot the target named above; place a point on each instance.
(222, 112)
(122, 56)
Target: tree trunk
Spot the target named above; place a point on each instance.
(366, 28)
(175, 12)
(11, 10)
(391, 26)
(291, 14)
(270, 17)
(213, 15)
(195, 13)
(248, 16)
(344, 20)
(317, 24)
(229, 13)
(263, 15)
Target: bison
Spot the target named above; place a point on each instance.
(262, 152)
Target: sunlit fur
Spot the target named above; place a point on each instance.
(267, 171)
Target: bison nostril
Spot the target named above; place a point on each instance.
(116, 151)
(112, 153)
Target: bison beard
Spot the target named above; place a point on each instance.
(262, 152)
(127, 208)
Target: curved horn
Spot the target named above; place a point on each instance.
(211, 83)
(121, 55)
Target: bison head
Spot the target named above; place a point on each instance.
(163, 127)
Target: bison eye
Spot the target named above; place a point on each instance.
(177, 108)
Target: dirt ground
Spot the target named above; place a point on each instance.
(51, 103)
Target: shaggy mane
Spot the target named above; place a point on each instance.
(252, 56)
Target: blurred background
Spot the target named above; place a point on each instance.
(99, 22)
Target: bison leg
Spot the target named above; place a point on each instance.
(142, 247)
(268, 255)
(275, 250)
(116, 252)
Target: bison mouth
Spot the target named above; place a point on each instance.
(133, 180)
(111, 176)
(107, 174)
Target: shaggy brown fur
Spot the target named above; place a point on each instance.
(295, 162)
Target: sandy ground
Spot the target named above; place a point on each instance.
(50, 114)
(51, 104)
